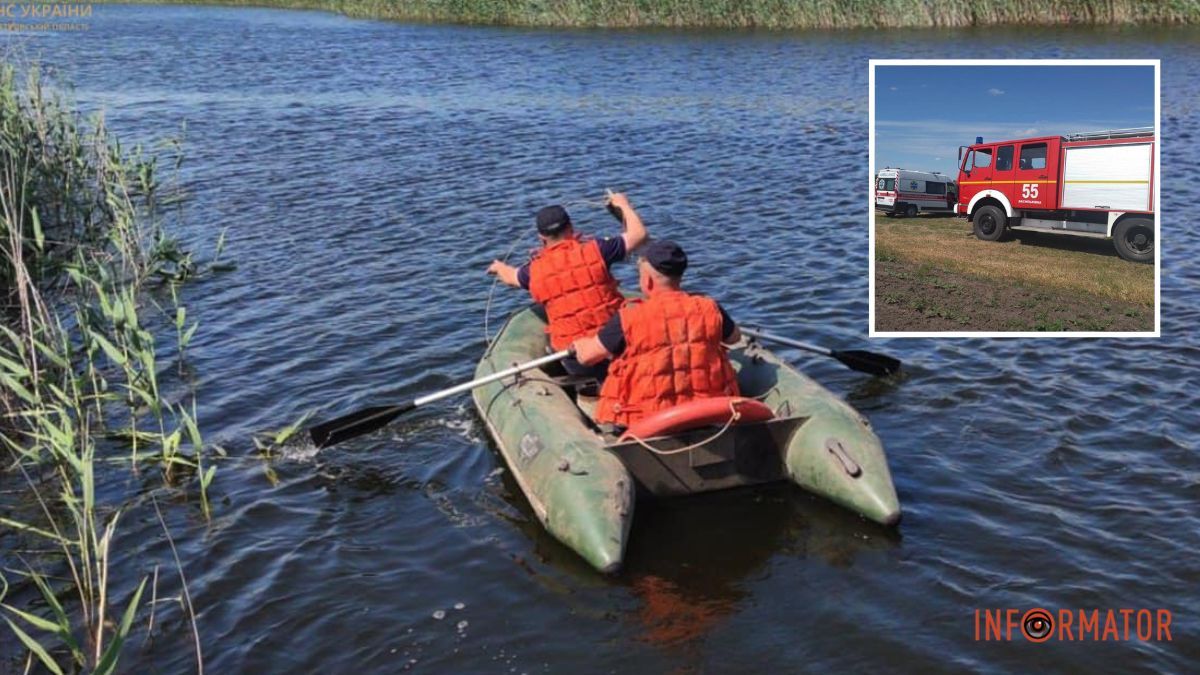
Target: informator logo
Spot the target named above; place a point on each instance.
(1073, 625)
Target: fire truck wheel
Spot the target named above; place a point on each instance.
(1134, 239)
(989, 223)
(910, 211)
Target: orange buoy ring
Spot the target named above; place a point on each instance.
(699, 413)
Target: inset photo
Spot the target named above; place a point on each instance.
(1014, 198)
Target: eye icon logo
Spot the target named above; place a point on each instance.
(1037, 625)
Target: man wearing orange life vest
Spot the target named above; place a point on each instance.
(667, 349)
(570, 276)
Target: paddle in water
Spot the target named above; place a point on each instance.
(369, 419)
(855, 359)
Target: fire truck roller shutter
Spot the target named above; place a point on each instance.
(1108, 177)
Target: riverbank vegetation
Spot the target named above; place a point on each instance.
(88, 277)
(931, 274)
(774, 14)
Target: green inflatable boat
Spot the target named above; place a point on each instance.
(583, 483)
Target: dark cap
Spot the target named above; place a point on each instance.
(552, 219)
(666, 256)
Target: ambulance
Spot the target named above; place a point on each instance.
(902, 192)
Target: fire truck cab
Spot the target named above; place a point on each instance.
(1097, 184)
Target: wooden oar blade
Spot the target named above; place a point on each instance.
(355, 424)
(868, 362)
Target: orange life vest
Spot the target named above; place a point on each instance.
(572, 281)
(673, 354)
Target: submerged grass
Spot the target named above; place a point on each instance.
(81, 243)
(774, 14)
(1058, 262)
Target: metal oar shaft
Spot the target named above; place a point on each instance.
(498, 375)
(855, 359)
(370, 419)
(764, 335)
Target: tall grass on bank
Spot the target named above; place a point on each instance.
(81, 243)
(775, 14)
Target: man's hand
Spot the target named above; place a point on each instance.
(506, 273)
(589, 351)
(619, 200)
(635, 231)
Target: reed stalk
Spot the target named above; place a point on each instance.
(83, 242)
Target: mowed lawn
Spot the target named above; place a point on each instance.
(932, 274)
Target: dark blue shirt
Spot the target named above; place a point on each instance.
(612, 335)
(612, 249)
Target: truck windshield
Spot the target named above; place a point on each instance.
(887, 184)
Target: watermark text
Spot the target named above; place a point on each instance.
(1073, 625)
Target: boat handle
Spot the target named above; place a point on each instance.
(852, 469)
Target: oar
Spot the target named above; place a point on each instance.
(855, 359)
(369, 419)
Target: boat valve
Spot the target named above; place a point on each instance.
(851, 467)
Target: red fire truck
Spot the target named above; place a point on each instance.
(1098, 184)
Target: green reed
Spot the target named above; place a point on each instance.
(83, 245)
(774, 14)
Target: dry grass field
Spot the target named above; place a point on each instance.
(931, 274)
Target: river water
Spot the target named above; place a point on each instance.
(368, 172)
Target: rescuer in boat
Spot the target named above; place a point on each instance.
(569, 276)
(666, 349)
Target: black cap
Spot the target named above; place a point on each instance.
(666, 256)
(552, 219)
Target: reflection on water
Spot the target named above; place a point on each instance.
(693, 560)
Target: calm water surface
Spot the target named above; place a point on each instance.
(368, 172)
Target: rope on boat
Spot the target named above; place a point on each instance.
(586, 202)
(487, 309)
(734, 416)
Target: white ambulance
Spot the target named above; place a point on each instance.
(902, 192)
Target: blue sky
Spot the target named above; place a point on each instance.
(923, 113)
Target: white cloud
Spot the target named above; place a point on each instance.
(891, 89)
(995, 92)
